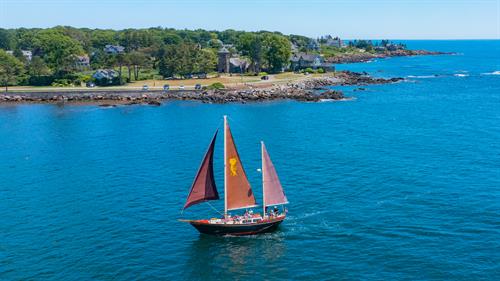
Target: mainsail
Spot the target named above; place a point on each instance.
(203, 188)
(273, 191)
(238, 193)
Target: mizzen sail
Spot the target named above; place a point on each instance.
(203, 188)
(239, 194)
(273, 191)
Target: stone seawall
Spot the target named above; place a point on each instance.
(308, 89)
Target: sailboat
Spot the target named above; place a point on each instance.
(238, 194)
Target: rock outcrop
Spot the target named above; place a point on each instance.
(308, 89)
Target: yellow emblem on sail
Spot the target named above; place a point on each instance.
(233, 168)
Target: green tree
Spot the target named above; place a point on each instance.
(121, 60)
(137, 60)
(38, 67)
(11, 69)
(20, 56)
(206, 61)
(182, 60)
(58, 50)
(168, 65)
(277, 51)
(100, 38)
(250, 44)
(6, 39)
(187, 58)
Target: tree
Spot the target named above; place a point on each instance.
(10, 69)
(121, 60)
(137, 60)
(168, 65)
(187, 58)
(6, 40)
(19, 55)
(38, 67)
(100, 38)
(250, 44)
(206, 61)
(57, 49)
(276, 51)
(183, 60)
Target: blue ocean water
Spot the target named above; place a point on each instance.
(402, 182)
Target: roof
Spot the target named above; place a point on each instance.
(238, 62)
(105, 73)
(114, 48)
(305, 57)
(223, 50)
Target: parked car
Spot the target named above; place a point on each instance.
(90, 84)
(145, 87)
(181, 87)
(265, 77)
(197, 87)
(202, 76)
(166, 87)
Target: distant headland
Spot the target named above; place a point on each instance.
(78, 63)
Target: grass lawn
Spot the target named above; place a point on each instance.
(234, 82)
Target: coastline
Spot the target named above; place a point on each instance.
(308, 89)
(364, 57)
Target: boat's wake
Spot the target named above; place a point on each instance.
(497, 72)
(422, 76)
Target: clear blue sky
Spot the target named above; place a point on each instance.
(403, 19)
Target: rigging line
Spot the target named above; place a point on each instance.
(214, 208)
(234, 122)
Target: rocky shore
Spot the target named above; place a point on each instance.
(364, 57)
(308, 89)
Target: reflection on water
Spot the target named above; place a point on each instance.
(229, 256)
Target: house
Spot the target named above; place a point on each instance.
(334, 42)
(223, 56)
(82, 62)
(114, 49)
(301, 61)
(105, 77)
(394, 47)
(238, 65)
(313, 45)
(28, 55)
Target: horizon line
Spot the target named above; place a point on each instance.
(219, 30)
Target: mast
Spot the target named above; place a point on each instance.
(225, 166)
(263, 181)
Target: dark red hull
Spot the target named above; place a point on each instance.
(205, 227)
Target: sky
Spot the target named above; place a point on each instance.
(355, 19)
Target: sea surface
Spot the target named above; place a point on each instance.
(400, 183)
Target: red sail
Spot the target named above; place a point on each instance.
(239, 193)
(273, 191)
(203, 188)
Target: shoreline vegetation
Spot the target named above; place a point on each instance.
(310, 89)
(66, 64)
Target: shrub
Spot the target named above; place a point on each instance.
(321, 70)
(45, 80)
(309, 70)
(86, 78)
(108, 82)
(216, 86)
(263, 73)
(61, 83)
